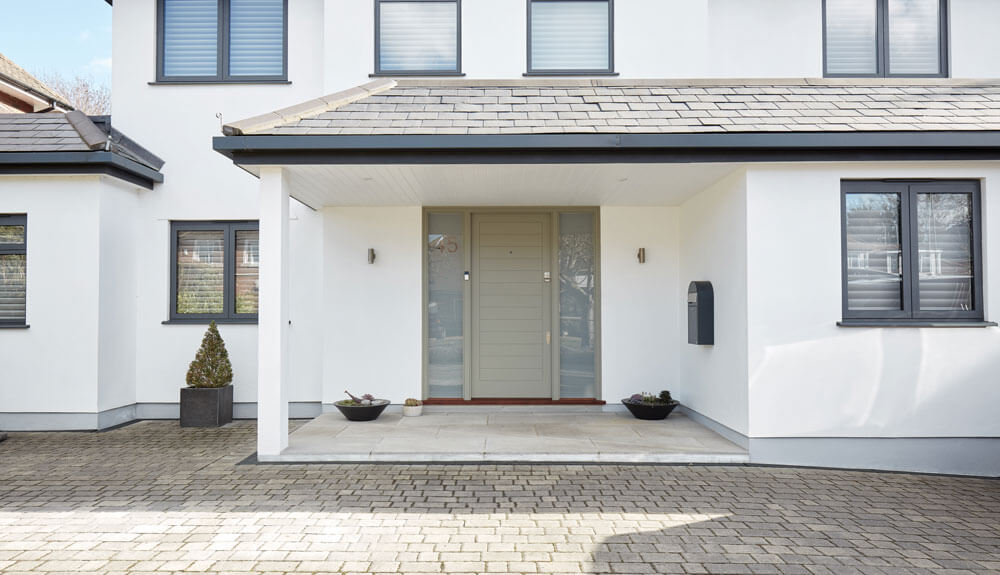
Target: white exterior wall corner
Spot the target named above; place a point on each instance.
(713, 247)
(812, 379)
(372, 313)
(639, 335)
(52, 367)
(117, 294)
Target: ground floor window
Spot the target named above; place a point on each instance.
(912, 250)
(13, 269)
(214, 271)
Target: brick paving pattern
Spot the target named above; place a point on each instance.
(153, 498)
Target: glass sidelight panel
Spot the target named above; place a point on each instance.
(874, 252)
(577, 283)
(445, 275)
(944, 242)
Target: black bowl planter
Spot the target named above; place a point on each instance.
(650, 411)
(206, 406)
(363, 412)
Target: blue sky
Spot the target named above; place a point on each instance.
(71, 37)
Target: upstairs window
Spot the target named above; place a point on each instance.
(13, 269)
(418, 37)
(912, 251)
(884, 38)
(222, 40)
(570, 37)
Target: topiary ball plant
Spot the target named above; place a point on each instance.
(211, 366)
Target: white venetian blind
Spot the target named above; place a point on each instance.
(570, 35)
(914, 37)
(256, 37)
(13, 276)
(851, 36)
(418, 36)
(190, 37)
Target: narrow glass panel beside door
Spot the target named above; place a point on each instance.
(577, 281)
(944, 241)
(874, 252)
(445, 257)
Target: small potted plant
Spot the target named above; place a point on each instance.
(364, 408)
(412, 407)
(648, 406)
(207, 401)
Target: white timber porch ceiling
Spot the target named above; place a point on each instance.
(500, 185)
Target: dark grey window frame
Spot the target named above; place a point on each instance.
(378, 42)
(882, 45)
(14, 249)
(229, 229)
(907, 190)
(222, 53)
(609, 71)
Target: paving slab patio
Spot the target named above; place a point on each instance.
(509, 434)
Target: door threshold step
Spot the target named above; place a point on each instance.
(513, 401)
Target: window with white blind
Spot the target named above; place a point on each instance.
(882, 38)
(214, 271)
(570, 36)
(13, 270)
(418, 37)
(222, 40)
(912, 251)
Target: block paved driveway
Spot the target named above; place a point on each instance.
(153, 498)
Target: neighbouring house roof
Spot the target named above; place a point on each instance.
(21, 81)
(664, 107)
(73, 142)
(617, 121)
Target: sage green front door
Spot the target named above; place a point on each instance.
(511, 305)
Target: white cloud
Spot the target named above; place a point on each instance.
(85, 36)
(99, 65)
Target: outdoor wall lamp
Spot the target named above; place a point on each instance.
(642, 255)
(371, 255)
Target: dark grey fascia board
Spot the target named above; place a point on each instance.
(610, 148)
(79, 163)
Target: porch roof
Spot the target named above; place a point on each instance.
(439, 107)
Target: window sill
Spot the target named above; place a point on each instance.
(218, 82)
(417, 74)
(582, 73)
(206, 321)
(917, 323)
(14, 326)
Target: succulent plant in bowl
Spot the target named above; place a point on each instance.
(648, 406)
(364, 408)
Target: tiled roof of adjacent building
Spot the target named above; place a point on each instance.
(654, 107)
(60, 138)
(11, 72)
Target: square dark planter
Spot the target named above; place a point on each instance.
(206, 406)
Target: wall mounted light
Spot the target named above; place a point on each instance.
(642, 255)
(371, 255)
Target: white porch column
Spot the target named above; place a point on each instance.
(272, 322)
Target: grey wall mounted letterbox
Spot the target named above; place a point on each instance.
(701, 313)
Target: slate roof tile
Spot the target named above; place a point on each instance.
(586, 106)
